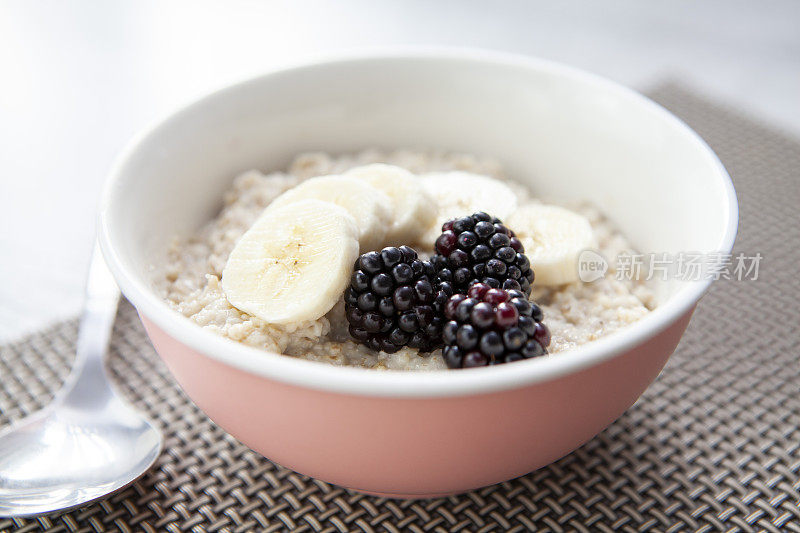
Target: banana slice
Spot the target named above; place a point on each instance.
(461, 193)
(414, 208)
(553, 238)
(371, 208)
(294, 263)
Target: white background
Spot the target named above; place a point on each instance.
(78, 79)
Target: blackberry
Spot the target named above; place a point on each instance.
(444, 288)
(390, 301)
(489, 326)
(479, 248)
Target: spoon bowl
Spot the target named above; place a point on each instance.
(88, 442)
(65, 457)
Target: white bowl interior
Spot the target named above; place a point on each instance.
(569, 135)
(568, 138)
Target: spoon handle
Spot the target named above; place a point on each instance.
(87, 384)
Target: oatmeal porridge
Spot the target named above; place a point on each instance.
(574, 312)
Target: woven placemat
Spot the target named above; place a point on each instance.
(713, 445)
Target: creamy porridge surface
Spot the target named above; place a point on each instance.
(189, 280)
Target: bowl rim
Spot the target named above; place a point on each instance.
(407, 384)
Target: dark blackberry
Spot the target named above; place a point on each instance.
(489, 326)
(392, 301)
(479, 248)
(442, 281)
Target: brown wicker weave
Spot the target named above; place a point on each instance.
(713, 445)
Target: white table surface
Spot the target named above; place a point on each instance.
(78, 79)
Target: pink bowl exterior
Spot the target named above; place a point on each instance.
(412, 447)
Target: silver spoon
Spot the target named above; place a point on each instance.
(88, 442)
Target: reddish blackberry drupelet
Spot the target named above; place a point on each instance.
(489, 326)
(479, 248)
(390, 301)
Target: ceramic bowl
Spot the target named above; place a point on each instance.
(568, 134)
